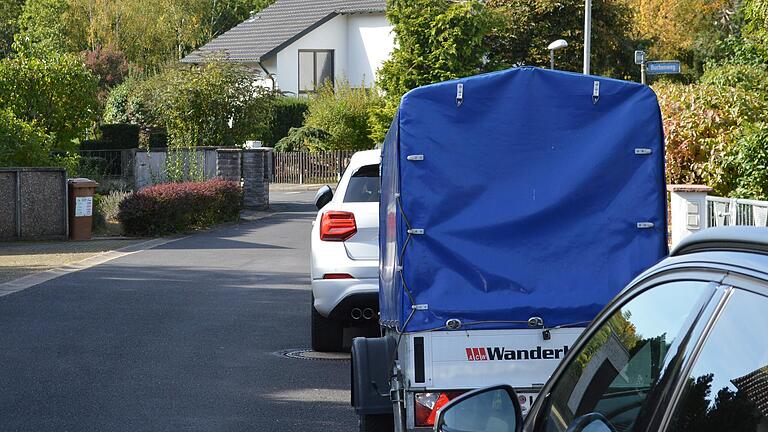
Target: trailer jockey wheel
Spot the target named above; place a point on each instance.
(377, 423)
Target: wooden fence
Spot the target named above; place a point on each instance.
(310, 168)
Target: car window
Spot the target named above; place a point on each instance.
(727, 389)
(364, 185)
(615, 371)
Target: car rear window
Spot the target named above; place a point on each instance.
(364, 185)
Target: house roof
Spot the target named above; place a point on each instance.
(279, 25)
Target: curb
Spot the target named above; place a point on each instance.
(29, 281)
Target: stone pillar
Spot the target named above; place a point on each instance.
(256, 171)
(688, 210)
(228, 164)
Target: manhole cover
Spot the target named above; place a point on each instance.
(306, 354)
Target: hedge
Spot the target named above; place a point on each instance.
(120, 136)
(180, 207)
(288, 113)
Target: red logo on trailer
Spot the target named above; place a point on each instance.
(477, 354)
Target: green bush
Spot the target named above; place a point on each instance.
(105, 210)
(303, 139)
(749, 163)
(751, 78)
(217, 104)
(179, 207)
(134, 102)
(712, 130)
(345, 113)
(702, 123)
(120, 136)
(288, 113)
(23, 144)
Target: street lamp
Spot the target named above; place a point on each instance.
(556, 45)
(587, 34)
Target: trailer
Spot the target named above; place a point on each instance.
(514, 206)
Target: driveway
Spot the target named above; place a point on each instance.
(184, 337)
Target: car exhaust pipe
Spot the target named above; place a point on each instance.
(356, 314)
(368, 313)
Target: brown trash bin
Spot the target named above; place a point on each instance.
(81, 192)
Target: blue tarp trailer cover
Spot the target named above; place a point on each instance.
(518, 194)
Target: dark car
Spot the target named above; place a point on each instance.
(684, 348)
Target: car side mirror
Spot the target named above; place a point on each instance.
(593, 422)
(323, 196)
(494, 409)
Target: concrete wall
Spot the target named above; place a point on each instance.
(33, 203)
(150, 166)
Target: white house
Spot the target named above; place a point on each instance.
(298, 44)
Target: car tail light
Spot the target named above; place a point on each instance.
(428, 404)
(337, 276)
(337, 226)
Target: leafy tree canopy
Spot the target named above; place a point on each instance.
(57, 94)
(524, 28)
(10, 10)
(436, 40)
(151, 33)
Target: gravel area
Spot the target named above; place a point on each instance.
(20, 259)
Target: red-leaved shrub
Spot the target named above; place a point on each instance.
(178, 207)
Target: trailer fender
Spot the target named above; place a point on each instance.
(371, 360)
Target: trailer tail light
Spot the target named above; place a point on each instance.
(337, 226)
(428, 404)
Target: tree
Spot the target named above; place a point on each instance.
(687, 30)
(44, 27)
(756, 24)
(343, 112)
(215, 104)
(109, 65)
(10, 10)
(436, 40)
(57, 94)
(524, 28)
(212, 105)
(222, 15)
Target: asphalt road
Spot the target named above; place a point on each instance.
(178, 338)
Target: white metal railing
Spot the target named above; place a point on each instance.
(734, 211)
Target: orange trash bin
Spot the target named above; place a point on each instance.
(81, 192)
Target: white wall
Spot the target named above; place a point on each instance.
(330, 35)
(360, 43)
(370, 41)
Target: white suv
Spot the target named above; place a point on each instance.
(345, 253)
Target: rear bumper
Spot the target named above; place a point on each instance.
(335, 298)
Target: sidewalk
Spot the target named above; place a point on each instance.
(289, 187)
(19, 259)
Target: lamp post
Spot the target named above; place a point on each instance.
(556, 45)
(587, 34)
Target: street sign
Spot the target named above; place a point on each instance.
(662, 67)
(639, 57)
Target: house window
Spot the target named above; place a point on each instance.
(315, 68)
